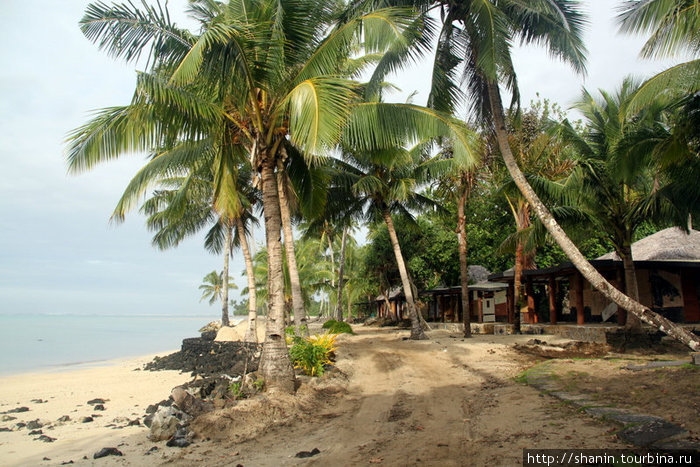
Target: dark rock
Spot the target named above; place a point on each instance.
(86, 420)
(7, 418)
(104, 452)
(17, 410)
(311, 453)
(46, 439)
(209, 358)
(67, 462)
(178, 442)
(649, 432)
(96, 401)
(209, 335)
(46, 459)
(4, 428)
(99, 407)
(36, 432)
(64, 418)
(151, 451)
(38, 401)
(154, 407)
(34, 424)
(134, 422)
(20, 425)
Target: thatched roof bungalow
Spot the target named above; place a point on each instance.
(667, 264)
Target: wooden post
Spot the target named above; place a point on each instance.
(532, 317)
(509, 303)
(552, 300)
(393, 309)
(480, 294)
(477, 303)
(580, 317)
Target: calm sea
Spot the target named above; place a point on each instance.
(41, 342)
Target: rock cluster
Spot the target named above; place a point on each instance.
(204, 357)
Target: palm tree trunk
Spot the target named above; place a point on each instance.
(463, 267)
(416, 328)
(295, 284)
(631, 285)
(330, 245)
(341, 282)
(571, 251)
(275, 366)
(251, 334)
(224, 275)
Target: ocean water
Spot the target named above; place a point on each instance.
(39, 342)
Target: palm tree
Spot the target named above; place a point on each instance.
(546, 160)
(476, 38)
(183, 206)
(270, 75)
(215, 287)
(618, 182)
(381, 182)
(314, 274)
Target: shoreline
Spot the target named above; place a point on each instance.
(65, 392)
(83, 364)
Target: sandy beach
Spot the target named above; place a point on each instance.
(445, 401)
(66, 392)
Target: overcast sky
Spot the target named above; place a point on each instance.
(58, 251)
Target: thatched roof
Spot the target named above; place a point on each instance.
(671, 244)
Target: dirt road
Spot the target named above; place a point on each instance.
(446, 401)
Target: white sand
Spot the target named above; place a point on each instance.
(127, 393)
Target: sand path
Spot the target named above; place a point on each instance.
(441, 402)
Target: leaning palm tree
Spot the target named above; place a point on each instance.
(546, 160)
(474, 46)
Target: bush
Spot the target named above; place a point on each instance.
(338, 327)
(312, 354)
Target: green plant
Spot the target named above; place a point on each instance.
(338, 327)
(236, 390)
(290, 332)
(259, 384)
(311, 354)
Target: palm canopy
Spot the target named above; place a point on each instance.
(475, 42)
(213, 287)
(617, 179)
(674, 28)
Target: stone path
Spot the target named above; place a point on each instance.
(638, 429)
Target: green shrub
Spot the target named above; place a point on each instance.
(313, 353)
(338, 327)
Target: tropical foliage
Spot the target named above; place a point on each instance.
(263, 108)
